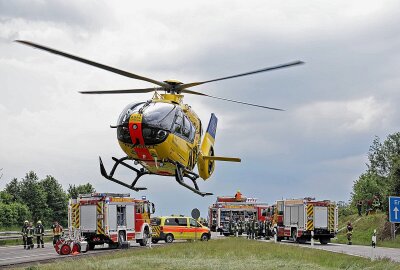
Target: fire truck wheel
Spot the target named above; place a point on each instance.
(65, 249)
(204, 237)
(113, 245)
(301, 240)
(324, 241)
(91, 246)
(154, 241)
(279, 238)
(169, 238)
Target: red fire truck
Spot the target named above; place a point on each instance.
(110, 218)
(233, 209)
(303, 219)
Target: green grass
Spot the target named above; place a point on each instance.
(363, 230)
(229, 253)
(19, 241)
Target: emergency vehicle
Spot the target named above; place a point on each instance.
(298, 219)
(110, 218)
(169, 228)
(234, 209)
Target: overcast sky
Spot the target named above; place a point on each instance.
(345, 94)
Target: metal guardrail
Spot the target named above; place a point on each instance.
(11, 235)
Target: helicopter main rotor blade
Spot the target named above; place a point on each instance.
(92, 63)
(123, 91)
(230, 100)
(290, 64)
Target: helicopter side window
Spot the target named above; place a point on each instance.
(186, 127)
(178, 123)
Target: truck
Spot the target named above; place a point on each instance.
(111, 218)
(228, 209)
(303, 219)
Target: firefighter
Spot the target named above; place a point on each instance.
(373, 242)
(248, 228)
(349, 232)
(263, 229)
(376, 204)
(23, 231)
(57, 232)
(256, 228)
(241, 226)
(252, 228)
(359, 207)
(235, 228)
(39, 232)
(30, 231)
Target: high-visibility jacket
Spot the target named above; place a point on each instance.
(57, 230)
(23, 230)
(30, 231)
(39, 229)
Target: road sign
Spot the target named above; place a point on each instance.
(394, 209)
(195, 213)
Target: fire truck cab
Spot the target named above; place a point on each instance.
(110, 218)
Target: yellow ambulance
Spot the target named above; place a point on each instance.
(170, 228)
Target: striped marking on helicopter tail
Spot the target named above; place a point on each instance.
(100, 217)
(310, 217)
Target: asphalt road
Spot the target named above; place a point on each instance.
(354, 250)
(16, 255)
(362, 251)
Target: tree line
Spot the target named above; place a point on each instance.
(382, 176)
(34, 199)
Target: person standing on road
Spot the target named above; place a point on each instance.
(248, 225)
(256, 228)
(349, 232)
(359, 207)
(253, 227)
(23, 231)
(373, 239)
(57, 231)
(39, 232)
(30, 231)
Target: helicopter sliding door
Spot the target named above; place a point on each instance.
(181, 141)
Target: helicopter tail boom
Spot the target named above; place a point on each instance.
(230, 159)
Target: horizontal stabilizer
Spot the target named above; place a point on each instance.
(230, 159)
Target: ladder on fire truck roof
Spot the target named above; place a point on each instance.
(91, 195)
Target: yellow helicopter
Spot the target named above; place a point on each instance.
(163, 135)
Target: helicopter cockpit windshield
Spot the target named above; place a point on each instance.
(159, 114)
(157, 121)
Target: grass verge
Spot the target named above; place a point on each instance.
(230, 253)
(363, 230)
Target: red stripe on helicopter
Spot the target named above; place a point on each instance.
(135, 130)
(143, 153)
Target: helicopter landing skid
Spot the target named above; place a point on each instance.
(179, 174)
(139, 173)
